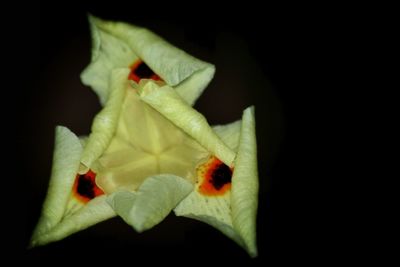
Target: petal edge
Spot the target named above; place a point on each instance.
(244, 196)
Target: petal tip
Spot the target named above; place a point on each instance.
(250, 110)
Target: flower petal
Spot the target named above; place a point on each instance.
(67, 153)
(244, 197)
(117, 42)
(55, 222)
(229, 133)
(233, 213)
(106, 121)
(97, 210)
(108, 53)
(154, 200)
(166, 101)
(216, 211)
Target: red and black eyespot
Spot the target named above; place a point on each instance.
(214, 177)
(220, 176)
(85, 187)
(139, 70)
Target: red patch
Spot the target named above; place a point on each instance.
(214, 177)
(139, 70)
(85, 187)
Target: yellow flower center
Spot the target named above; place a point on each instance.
(146, 144)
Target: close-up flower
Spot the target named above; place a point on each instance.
(149, 151)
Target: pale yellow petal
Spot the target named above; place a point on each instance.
(66, 158)
(166, 101)
(215, 211)
(187, 74)
(244, 195)
(105, 122)
(95, 211)
(229, 133)
(154, 200)
(108, 53)
(62, 214)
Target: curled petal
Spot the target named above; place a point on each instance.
(244, 196)
(145, 139)
(166, 101)
(117, 44)
(105, 123)
(108, 53)
(154, 200)
(60, 219)
(94, 212)
(232, 213)
(229, 133)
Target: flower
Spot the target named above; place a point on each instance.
(149, 151)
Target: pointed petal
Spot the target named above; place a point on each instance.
(233, 213)
(229, 133)
(105, 122)
(108, 53)
(93, 212)
(67, 153)
(244, 195)
(166, 101)
(214, 211)
(188, 75)
(62, 214)
(154, 200)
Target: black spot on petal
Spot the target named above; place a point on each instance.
(221, 175)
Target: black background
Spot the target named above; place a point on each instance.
(262, 57)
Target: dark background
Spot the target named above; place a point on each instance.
(262, 58)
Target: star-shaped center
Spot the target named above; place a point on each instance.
(145, 144)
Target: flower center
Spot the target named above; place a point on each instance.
(146, 144)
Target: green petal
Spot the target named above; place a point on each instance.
(244, 197)
(67, 153)
(215, 211)
(83, 140)
(108, 53)
(229, 133)
(154, 200)
(105, 122)
(233, 213)
(61, 214)
(93, 212)
(166, 101)
(188, 75)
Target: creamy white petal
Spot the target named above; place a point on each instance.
(154, 200)
(115, 43)
(166, 101)
(244, 195)
(108, 53)
(234, 212)
(66, 158)
(63, 215)
(229, 133)
(95, 211)
(105, 122)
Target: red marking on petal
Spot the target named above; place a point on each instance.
(139, 70)
(214, 177)
(85, 188)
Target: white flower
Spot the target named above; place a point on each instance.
(149, 151)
